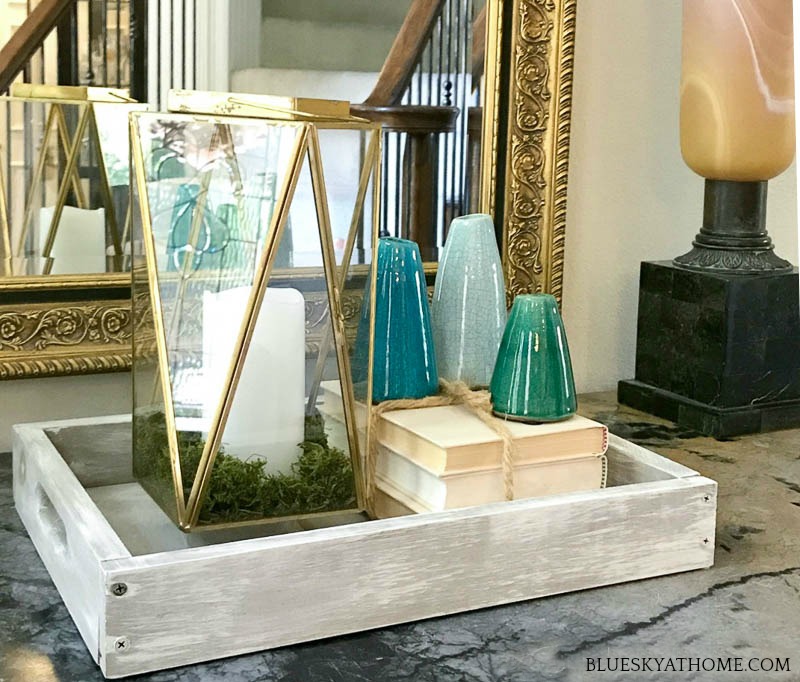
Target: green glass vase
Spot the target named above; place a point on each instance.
(404, 363)
(532, 380)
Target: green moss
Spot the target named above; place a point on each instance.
(321, 479)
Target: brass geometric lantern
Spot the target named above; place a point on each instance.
(63, 183)
(257, 217)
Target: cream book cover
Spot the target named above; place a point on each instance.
(453, 439)
(421, 490)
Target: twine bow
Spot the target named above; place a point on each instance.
(451, 393)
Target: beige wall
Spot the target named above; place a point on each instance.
(29, 400)
(631, 198)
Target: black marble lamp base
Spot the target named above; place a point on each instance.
(717, 352)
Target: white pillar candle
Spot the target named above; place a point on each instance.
(267, 417)
(80, 243)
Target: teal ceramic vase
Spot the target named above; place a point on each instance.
(469, 302)
(532, 380)
(404, 361)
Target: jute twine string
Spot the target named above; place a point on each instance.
(451, 393)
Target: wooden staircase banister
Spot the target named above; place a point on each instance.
(423, 126)
(409, 118)
(28, 38)
(478, 47)
(405, 52)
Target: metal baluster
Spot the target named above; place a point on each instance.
(176, 43)
(477, 86)
(158, 54)
(440, 170)
(384, 231)
(9, 196)
(362, 219)
(138, 50)
(445, 155)
(90, 75)
(183, 43)
(67, 50)
(470, 100)
(456, 92)
(194, 43)
(119, 44)
(171, 43)
(411, 90)
(104, 38)
(399, 229)
(28, 159)
(10, 199)
(461, 134)
(430, 47)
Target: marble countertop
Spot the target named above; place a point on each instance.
(747, 605)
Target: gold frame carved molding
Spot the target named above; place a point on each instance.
(530, 54)
(60, 325)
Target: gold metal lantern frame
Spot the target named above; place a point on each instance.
(74, 126)
(182, 449)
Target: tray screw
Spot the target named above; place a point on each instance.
(119, 589)
(121, 644)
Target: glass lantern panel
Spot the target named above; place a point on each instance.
(211, 189)
(355, 267)
(152, 464)
(347, 156)
(285, 442)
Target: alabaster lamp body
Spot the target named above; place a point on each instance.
(736, 124)
(718, 335)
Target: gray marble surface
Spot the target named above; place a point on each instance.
(747, 606)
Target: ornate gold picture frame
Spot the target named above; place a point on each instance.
(529, 60)
(525, 154)
(67, 324)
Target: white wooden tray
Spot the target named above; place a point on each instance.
(143, 598)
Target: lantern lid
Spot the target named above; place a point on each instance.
(75, 93)
(258, 106)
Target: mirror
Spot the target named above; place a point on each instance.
(58, 324)
(416, 68)
(64, 181)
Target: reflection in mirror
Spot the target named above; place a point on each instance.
(532, 240)
(415, 66)
(64, 183)
(228, 176)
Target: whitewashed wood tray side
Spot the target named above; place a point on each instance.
(201, 603)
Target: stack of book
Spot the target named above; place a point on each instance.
(437, 458)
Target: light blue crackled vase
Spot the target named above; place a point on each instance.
(469, 302)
